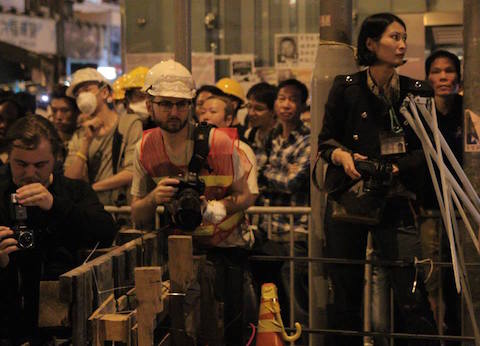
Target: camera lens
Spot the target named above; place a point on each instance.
(25, 240)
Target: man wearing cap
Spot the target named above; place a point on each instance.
(101, 151)
(164, 153)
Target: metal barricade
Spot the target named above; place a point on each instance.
(267, 212)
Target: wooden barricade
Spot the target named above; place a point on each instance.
(88, 286)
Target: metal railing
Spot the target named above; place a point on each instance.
(268, 212)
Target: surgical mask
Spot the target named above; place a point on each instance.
(140, 108)
(87, 102)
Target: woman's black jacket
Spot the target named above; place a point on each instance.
(354, 118)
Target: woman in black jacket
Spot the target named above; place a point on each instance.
(363, 122)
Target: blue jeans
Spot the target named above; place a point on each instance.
(394, 238)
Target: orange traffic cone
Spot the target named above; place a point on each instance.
(270, 326)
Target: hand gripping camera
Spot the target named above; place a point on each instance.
(185, 210)
(24, 235)
(377, 175)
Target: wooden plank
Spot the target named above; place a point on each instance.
(119, 274)
(117, 327)
(130, 265)
(77, 287)
(180, 262)
(103, 280)
(51, 312)
(135, 334)
(66, 293)
(98, 331)
(148, 287)
(81, 307)
(180, 268)
(126, 235)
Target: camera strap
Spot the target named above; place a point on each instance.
(201, 148)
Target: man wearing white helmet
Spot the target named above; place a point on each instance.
(166, 152)
(101, 151)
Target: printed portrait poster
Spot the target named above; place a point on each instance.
(472, 131)
(286, 50)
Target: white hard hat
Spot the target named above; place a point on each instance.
(86, 74)
(170, 79)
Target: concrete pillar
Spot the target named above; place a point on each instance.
(471, 34)
(183, 32)
(332, 59)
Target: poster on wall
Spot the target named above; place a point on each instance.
(472, 131)
(242, 69)
(203, 68)
(295, 50)
(307, 48)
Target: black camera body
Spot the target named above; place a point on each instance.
(377, 174)
(24, 235)
(185, 210)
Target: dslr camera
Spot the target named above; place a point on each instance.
(21, 232)
(377, 174)
(184, 211)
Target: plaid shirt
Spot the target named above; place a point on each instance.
(286, 179)
(259, 146)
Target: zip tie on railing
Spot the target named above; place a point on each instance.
(416, 263)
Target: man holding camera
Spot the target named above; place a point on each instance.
(163, 166)
(44, 219)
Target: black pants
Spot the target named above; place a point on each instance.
(229, 265)
(395, 238)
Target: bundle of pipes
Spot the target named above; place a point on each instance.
(460, 192)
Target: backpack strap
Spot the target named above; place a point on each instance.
(251, 135)
(116, 146)
(201, 148)
(125, 123)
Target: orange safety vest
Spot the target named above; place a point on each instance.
(218, 179)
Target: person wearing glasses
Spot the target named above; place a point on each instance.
(163, 155)
(101, 151)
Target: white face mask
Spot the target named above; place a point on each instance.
(87, 102)
(140, 108)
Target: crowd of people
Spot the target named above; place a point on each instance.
(152, 135)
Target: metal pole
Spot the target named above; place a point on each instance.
(471, 33)
(335, 25)
(183, 32)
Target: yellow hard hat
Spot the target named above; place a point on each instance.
(136, 77)
(119, 88)
(231, 87)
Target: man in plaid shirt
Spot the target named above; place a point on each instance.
(285, 182)
(285, 177)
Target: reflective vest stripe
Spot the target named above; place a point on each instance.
(226, 225)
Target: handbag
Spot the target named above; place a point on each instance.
(354, 205)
